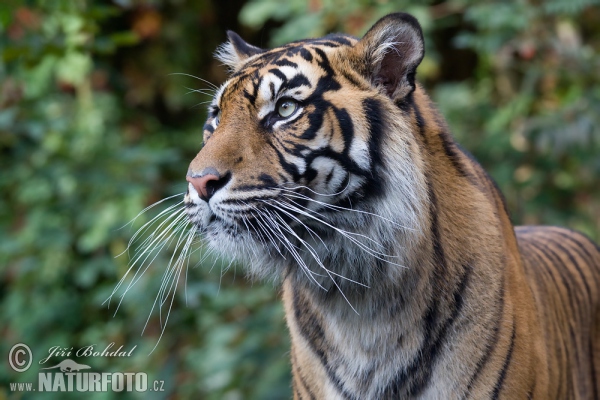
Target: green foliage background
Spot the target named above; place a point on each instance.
(95, 126)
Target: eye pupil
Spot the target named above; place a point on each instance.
(286, 108)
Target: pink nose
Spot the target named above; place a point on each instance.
(204, 185)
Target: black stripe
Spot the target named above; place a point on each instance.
(297, 81)
(491, 345)
(412, 380)
(406, 103)
(327, 43)
(591, 260)
(250, 97)
(571, 307)
(346, 127)
(502, 376)
(558, 267)
(315, 119)
(331, 40)
(432, 351)
(313, 333)
(339, 39)
(498, 193)
(453, 155)
(290, 168)
(278, 74)
(324, 62)
(372, 110)
(329, 176)
(348, 163)
(283, 62)
(532, 389)
(208, 128)
(420, 122)
(301, 379)
(272, 90)
(575, 264)
(542, 261)
(353, 80)
(305, 53)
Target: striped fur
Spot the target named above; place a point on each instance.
(402, 274)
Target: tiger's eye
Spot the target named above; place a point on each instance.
(286, 108)
(218, 118)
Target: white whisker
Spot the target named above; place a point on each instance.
(212, 85)
(349, 235)
(317, 193)
(293, 251)
(174, 285)
(151, 206)
(340, 208)
(316, 258)
(146, 246)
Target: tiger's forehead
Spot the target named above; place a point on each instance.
(292, 70)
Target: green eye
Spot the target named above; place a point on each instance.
(286, 108)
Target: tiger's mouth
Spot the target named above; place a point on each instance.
(270, 221)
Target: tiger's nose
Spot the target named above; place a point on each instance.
(208, 183)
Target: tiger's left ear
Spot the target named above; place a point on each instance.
(390, 53)
(235, 52)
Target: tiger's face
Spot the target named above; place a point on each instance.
(293, 161)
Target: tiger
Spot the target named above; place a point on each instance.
(325, 166)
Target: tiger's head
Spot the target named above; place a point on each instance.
(309, 162)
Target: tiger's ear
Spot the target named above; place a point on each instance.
(390, 53)
(236, 51)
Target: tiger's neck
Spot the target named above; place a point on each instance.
(384, 340)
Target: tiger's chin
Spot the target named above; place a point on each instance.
(260, 260)
(234, 243)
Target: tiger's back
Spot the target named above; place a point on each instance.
(563, 270)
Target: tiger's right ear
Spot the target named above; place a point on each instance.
(390, 53)
(235, 52)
